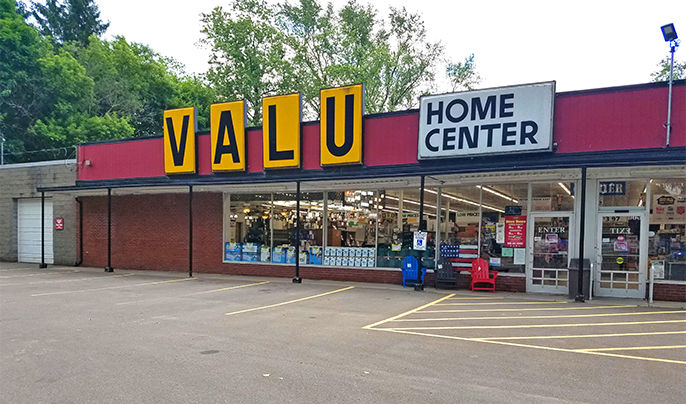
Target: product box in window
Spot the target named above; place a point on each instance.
(264, 254)
(232, 247)
(315, 255)
(338, 261)
(303, 258)
(279, 255)
(250, 252)
(370, 262)
(357, 262)
(327, 261)
(290, 255)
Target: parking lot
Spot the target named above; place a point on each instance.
(81, 335)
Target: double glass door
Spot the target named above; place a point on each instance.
(549, 252)
(621, 263)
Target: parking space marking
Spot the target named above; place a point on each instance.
(425, 331)
(228, 288)
(41, 273)
(288, 302)
(407, 313)
(546, 348)
(67, 280)
(158, 299)
(632, 348)
(490, 303)
(64, 292)
(529, 309)
(483, 327)
(538, 317)
(475, 298)
(624, 334)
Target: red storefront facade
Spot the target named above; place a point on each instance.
(615, 135)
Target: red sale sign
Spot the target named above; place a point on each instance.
(59, 223)
(515, 231)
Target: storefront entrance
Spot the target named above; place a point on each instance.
(548, 253)
(621, 257)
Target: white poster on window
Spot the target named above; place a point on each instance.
(500, 233)
(419, 241)
(519, 256)
(668, 209)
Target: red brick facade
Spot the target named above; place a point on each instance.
(151, 232)
(669, 291)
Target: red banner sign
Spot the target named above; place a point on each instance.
(515, 231)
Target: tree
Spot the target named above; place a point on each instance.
(248, 54)
(463, 75)
(259, 50)
(22, 100)
(662, 74)
(70, 20)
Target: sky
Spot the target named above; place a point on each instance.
(580, 44)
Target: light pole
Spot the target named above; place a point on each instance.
(669, 33)
(2, 149)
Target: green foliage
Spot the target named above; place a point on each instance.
(463, 75)
(54, 97)
(248, 54)
(662, 74)
(70, 20)
(260, 50)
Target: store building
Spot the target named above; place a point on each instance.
(504, 173)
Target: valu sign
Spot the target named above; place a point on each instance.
(493, 121)
(341, 132)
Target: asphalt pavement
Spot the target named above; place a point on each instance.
(81, 335)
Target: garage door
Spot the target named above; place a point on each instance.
(29, 231)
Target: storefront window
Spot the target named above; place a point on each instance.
(399, 218)
(624, 193)
(503, 226)
(247, 231)
(552, 196)
(351, 235)
(667, 229)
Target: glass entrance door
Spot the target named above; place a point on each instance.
(621, 270)
(549, 253)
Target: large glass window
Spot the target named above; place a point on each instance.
(552, 196)
(622, 193)
(247, 231)
(399, 219)
(667, 229)
(503, 225)
(351, 235)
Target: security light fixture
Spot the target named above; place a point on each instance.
(669, 32)
(670, 35)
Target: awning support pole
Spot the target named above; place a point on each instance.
(422, 227)
(582, 226)
(297, 278)
(42, 264)
(109, 268)
(190, 231)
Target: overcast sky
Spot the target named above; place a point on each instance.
(581, 44)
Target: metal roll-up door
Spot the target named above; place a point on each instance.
(29, 230)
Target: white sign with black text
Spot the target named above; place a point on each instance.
(494, 121)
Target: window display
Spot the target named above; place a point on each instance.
(667, 229)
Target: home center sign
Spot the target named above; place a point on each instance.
(512, 119)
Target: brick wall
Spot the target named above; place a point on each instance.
(151, 232)
(669, 291)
